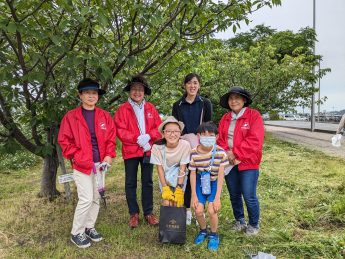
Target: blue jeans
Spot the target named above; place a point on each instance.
(243, 183)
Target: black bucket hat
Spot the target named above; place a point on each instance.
(138, 79)
(90, 84)
(224, 100)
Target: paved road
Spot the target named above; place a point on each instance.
(314, 140)
(319, 127)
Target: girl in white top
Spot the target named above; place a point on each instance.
(171, 155)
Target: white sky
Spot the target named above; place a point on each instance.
(330, 22)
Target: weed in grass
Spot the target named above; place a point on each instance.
(338, 207)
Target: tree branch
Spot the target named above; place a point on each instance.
(34, 11)
(160, 31)
(73, 43)
(155, 62)
(7, 121)
(165, 62)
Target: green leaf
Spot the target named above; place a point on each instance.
(55, 39)
(131, 61)
(84, 10)
(11, 27)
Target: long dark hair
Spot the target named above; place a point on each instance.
(161, 142)
(190, 77)
(187, 79)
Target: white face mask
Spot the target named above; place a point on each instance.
(208, 141)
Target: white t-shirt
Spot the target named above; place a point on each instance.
(179, 155)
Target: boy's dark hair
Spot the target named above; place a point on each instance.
(209, 126)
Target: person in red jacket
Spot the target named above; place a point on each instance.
(137, 124)
(241, 135)
(87, 137)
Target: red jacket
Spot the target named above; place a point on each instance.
(75, 139)
(128, 131)
(248, 138)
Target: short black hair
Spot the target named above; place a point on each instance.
(209, 126)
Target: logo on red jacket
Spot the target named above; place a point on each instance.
(103, 126)
(245, 125)
(149, 115)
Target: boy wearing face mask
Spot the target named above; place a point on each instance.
(201, 160)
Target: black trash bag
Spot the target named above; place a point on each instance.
(172, 225)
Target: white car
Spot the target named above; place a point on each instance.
(291, 117)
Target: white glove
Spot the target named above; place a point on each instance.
(143, 139)
(147, 147)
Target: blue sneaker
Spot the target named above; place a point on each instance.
(200, 237)
(213, 242)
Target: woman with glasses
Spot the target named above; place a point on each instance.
(171, 155)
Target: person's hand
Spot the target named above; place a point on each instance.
(230, 155)
(194, 202)
(167, 193)
(147, 147)
(143, 139)
(236, 162)
(108, 160)
(216, 205)
(179, 197)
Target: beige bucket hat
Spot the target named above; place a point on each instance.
(170, 119)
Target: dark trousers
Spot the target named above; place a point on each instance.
(131, 169)
(187, 193)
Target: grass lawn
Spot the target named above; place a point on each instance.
(302, 196)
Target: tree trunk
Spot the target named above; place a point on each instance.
(48, 181)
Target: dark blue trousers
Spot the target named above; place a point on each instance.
(131, 169)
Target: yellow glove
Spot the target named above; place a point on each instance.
(179, 197)
(167, 193)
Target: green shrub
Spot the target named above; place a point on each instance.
(19, 160)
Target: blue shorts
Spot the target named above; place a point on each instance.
(202, 197)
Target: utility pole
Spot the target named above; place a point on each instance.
(312, 110)
(319, 102)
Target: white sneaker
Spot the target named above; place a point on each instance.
(189, 217)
